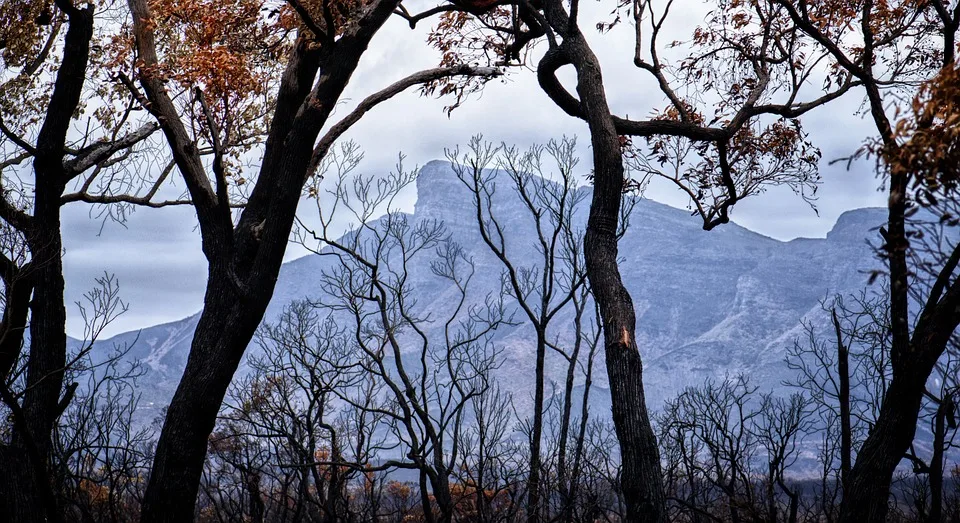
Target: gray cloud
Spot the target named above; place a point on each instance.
(162, 271)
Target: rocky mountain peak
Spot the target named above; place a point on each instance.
(709, 304)
(858, 224)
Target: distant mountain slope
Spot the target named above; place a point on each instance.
(708, 303)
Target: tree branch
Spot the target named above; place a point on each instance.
(20, 142)
(223, 199)
(20, 220)
(943, 279)
(308, 20)
(15, 160)
(414, 19)
(387, 93)
(184, 151)
(729, 185)
(102, 151)
(105, 199)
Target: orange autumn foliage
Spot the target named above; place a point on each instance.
(233, 51)
(21, 37)
(929, 136)
(96, 494)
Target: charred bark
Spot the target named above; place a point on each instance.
(13, 326)
(843, 397)
(25, 461)
(641, 480)
(941, 417)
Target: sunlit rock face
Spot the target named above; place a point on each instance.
(709, 304)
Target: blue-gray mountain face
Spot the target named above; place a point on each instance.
(709, 304)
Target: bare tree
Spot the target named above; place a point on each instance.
(728, 452)
(553, 283)
(100, 449)
(491, 460)
(308, 449)
(717, 419)
(780, 429)
(432, 361)
(845, 373)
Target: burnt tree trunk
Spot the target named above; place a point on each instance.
(867, 491)
(843, 397)
(641, 480)
(42, 405)
(48, 339)
(536, 434)
(21, 496)
(190, 419)
(944, 410)
(48, 343)
(18, 290)
(244, 260)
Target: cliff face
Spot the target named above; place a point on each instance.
(709, 304)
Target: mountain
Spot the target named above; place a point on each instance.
(709, 304)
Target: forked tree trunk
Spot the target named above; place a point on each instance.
(42, 405)
(244, 260)
(867, 491)
(218, 345)
(641, 480)
(912, 357)
(867, 496)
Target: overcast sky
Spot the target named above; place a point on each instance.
(157, 257)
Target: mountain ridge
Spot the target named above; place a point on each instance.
(709, 303)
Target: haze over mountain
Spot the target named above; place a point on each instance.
(709, 304)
